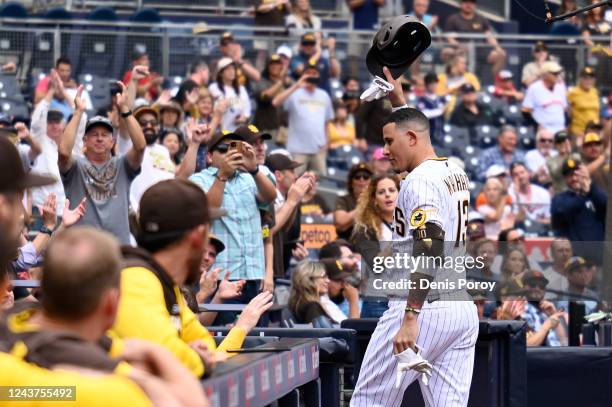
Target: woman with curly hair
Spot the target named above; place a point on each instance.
(308, 283)
(373, 226)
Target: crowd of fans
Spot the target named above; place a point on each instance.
(207, 189)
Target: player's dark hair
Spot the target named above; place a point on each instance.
(62, 60)
(409, 115)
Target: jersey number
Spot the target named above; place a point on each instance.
(462, 221)
(400, 222)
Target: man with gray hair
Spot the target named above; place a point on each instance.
(536, 159)
(504, 153)
(99, 176)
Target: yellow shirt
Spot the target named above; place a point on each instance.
(91, 391)
(585, 108)
(143, 314)
(340, 136)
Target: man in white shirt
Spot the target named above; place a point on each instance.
(546, 98)
(536, 158)
(533, 201)
(560, 252)
(156, 164)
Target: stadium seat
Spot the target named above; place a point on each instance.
(103, 14)
(13, 10)
(471, 158)
(526, 137)
(536, 229)
(486, 136)
(58, 13)
(8, 84)
(14, 107)
(512, 114)
(475, 189)
(338, 176)
(146, 15)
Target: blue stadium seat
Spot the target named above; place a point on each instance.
(338, 176)
(9, 84)
(146, 15)
(13, 10)
(470, 157)
(526, 137)
(103, 14)
(458, 133)
(58, 13)
(486, 136)
(12, 107)
(512, 114)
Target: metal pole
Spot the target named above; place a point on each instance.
(138, 4)
(57, 43)
(165, 54)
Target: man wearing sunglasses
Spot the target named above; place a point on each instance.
(546, 98)
(234, 182)
(544, 321)
(536, 158)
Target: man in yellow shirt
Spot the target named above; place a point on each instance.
(174, 218)
(584, 102)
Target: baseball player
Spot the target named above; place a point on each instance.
(430, 221)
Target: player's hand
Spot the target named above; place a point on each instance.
(407, 335)
(396, 97)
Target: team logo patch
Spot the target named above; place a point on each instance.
(418, 217)
(253, 128)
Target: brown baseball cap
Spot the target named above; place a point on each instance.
(226, 38)
(12, 175)
(569, 166)
(534, 275)
(219, 136)
(334, 269)
(145, 109)
(218, 243)
(251, 134)
(280, 162)
(173, 207)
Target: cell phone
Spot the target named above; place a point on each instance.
(236, 145)
(114, 89)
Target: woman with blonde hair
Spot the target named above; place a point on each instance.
(497, 213)
(308, 283)
(373, 228)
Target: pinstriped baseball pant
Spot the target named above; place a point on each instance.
(447, 333)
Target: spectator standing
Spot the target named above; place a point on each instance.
(504, 87)
(546, 98)
(200, 73)
(268, 13)
(99, 176)
(596, 24)
(503, 154)
(340, 131)
(469, 112)
(542, 317)
(274, 80)
(149, 85)
(432, 105)
(311, 54)
(346, 206)
(560, 252)
(579, 213)
(301, 19)
(228, 88)
(234, 182)
(187, 97)
(563, 148)
(497, 213)
(596, 159)
(231, 49)
(584, 102)
(365, 13)
(156, 164)
(532, 201)
(467, 21)
(455, 75)
(309, 108)
(313, 204)
(536, 159)
(420, 10)
(369, 121)
(380, 163)
(532, 70)
(308, 283)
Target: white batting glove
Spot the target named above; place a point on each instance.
(378, 88)
(411, 360)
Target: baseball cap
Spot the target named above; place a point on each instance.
(308, 39)
(359, 167)
(574, 263)
(510, 288)
(431, 77)
(54, 116)
(477, 294)
(467, 88)
(173, 207)
(219, 136)
(200, 28)
(496, 170)
(5, 119)
(251, 134)
(505, 75)
(274, 59)
(284, 50)
(12, 175)
(145, 109)
(99, 121)
(224, 63)
(398, 43)
(138, 53)
(226, 38)
(379, 154)
(590, 138)
(334, 269)
(280, 162)
(561, 136)
(215, 241)
(534, 275)
(551, 67)
(569, 166)
(587, 71)
(540, 46)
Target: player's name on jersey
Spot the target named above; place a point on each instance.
(424, 284)
(457, 182)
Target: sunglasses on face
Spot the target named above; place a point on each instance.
(546, 140)
(146, 123)
(222, 148)
(362, 177)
